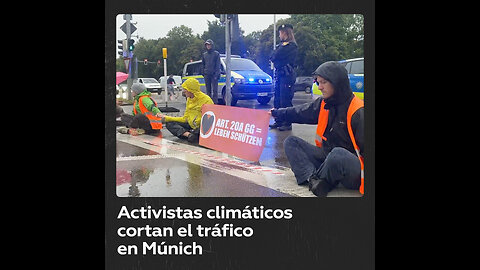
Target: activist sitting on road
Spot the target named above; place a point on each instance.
(146, 115)
(338, 154)
(188, 125)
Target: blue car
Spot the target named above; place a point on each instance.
(355, 74)
(248, 81)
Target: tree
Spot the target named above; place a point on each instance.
(181, 46)
(178, 41)
(341, 35)
(320, 38)
(215, 32)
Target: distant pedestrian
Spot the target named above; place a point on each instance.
(337, 156)
(146, 115)
(211, 70)
(283, 58)
(171, 91)
(188, 125)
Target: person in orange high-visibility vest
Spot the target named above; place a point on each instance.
(146, 116)
(337, 156)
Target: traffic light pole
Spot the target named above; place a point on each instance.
(274, 43)
(165, 85)
(228, 45)
(128, 17)
(165, 81)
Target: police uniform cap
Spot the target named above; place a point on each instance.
(283, 26)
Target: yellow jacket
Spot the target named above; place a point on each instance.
(193, 110)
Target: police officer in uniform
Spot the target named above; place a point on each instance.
(283, 59)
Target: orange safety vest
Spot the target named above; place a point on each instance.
(355, 104)
(155, 122)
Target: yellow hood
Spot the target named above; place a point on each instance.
(192, 85)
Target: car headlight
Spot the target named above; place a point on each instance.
(239, 80)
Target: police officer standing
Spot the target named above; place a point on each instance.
(211, 70)
(283, 59)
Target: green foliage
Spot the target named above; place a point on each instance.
(320, 38)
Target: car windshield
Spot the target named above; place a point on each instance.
(148, 80)
(243, 64)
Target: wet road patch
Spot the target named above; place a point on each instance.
(171, 177)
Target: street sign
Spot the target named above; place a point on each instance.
(124, 28)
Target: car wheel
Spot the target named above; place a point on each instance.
(221, 100)
(308, 89)
(233, 101)
(263, 100)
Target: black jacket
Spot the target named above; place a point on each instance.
(283, 58)
(211, 63)
(284, 54)
(336, 131)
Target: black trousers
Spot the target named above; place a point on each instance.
(211, 83)
(177, 129)
(338, 166)
(138, 121)
(283, 95)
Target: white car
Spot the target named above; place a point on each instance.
(152, 84)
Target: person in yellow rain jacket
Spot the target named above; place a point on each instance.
(188, 125)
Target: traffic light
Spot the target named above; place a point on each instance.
(145, 61)
(121, 47)
(130, 45)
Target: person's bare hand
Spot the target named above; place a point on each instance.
(270, 112)
(133, 132)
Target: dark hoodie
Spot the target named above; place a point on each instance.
(211, 61)
(336, 131)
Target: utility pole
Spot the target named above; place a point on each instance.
(274, 43)
(164, 84)
(127, 18)
(228, 45)
(164, 53)
(136, 68)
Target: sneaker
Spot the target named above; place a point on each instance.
(192, 138)
(274, 125)
(136, 131)
(319, 187)
(123, 130)
(286, 127)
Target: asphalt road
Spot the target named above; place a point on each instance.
(167, 166)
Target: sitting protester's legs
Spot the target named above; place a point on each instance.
(178, 129)
(340, 166)
(184, 131)
(304, 158)
(138, 123)
(141, 121)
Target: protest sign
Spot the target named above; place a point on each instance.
(240, 132)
